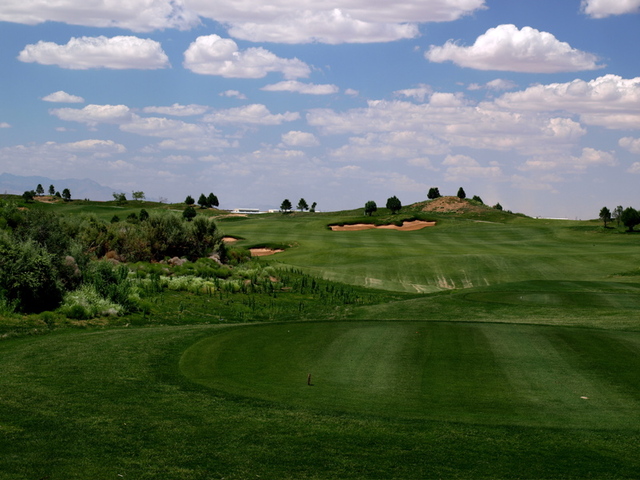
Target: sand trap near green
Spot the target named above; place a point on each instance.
(476, 373)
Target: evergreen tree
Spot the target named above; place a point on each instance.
(434, 193)
(189, 213)
(461, 194)
(66, 195)
(213, 200)
(605, 215)
(202, 201)
(189, 200)
(52, 190)
(302, 205)
(286, 206)
(39, 189)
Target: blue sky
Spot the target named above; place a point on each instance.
(535, 105)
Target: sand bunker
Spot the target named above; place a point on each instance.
(229, 239)
(405, 227)
(263, 252)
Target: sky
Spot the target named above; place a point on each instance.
(531, 104)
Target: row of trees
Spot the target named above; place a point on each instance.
(286, 206)
(629, 217)
(205, 201)
(29, 195)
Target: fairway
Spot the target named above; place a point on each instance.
(464, 372)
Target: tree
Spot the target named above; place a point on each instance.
(202, 201)
(313, 207)
(39, 189)
(144, 215)
(370, 208)
(189, 200)
(478, 199)
(189, 213)
(393, 204)
(120, 198)
(630, 218)
(66, 195)
(461, 194)
(285, 206)
(302, 205)
(115, 219)
(28, 195)
(213, 200)
(433, 193)
(605, 215)
(52, 190)
(497, 206)
(137, 195)
(617, 213)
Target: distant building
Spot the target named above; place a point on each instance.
(245, 210)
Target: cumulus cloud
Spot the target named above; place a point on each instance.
(83, 53)
(4, 125)
(631, 144)
(464, 168)
(135, 15)
(233, 94)
(300, 139)
(605, 8)
(162, 127)
(299, 87)
(96, 146)
(634, 168)
(94, 114)
(332, 21)
(62, 97)
(495, 85)
(256, 114)
(590, 157)
(419, 93)
(508, 49)
(608, 101)
(178, 110)
(214, 55)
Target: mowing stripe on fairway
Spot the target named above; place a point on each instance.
(476, 373)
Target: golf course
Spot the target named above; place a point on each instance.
(483, 344)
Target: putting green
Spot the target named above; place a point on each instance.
(467, 372)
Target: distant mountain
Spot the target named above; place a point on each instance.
(80, 189)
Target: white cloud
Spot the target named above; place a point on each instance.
(178, 110)
(135, 15)
(464, 168)
(233, 94)
(454, 121)
(419, 93)
(509, 49)
(589, 157)
(331, 21)
(423, 162)
(62, 97)
(351, 92)
(256, 114)
(162, 127)
(299, 87)
(634, 168)
(609, 101)
(495, 85)
(94, 114)
(98, 52)
(605, 8)
(631, 144)
(98, 146)
(300, 139)
(214, 55)
(4, 125)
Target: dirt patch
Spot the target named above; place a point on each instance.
(405, 227)
(229, 239)
(452, 205)
(263, 252)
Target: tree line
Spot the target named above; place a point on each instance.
(29, 195)
(629, 217)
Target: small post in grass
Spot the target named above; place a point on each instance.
(309, 379)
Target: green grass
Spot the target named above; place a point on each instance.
(466, 356)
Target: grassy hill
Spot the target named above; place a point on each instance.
(491, 345)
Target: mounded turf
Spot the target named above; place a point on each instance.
(459, 372)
